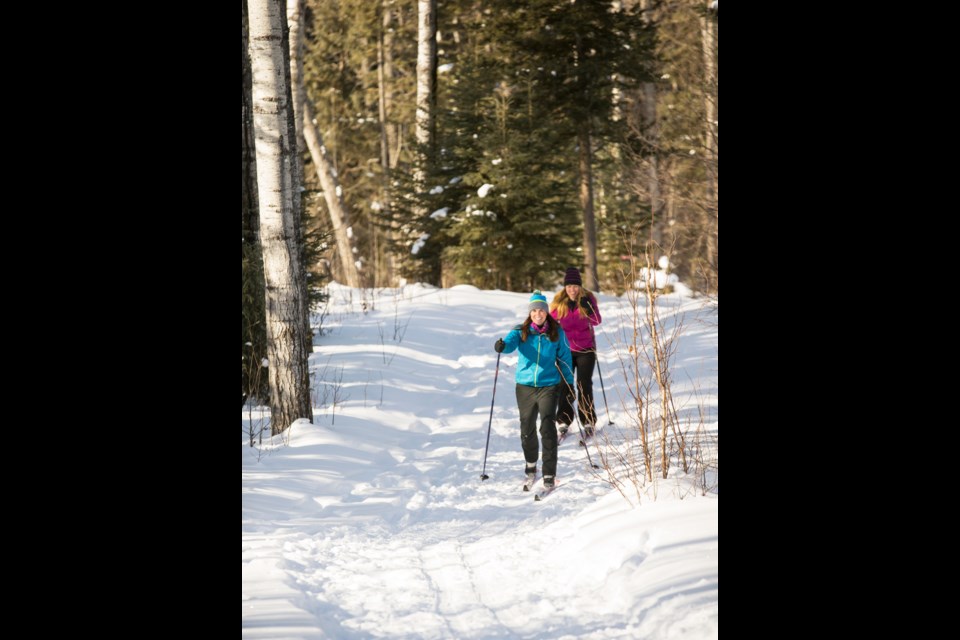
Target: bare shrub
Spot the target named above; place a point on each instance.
(637, 455)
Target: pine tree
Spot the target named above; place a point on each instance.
(532, 86)
(517, 226)
(574, 56)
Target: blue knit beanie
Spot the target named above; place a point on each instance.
(538, 301)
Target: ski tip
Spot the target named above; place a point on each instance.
(544, 493)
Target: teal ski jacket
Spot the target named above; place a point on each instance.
(538, 360)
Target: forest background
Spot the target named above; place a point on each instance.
(489, 143)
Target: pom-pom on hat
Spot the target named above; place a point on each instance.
(538, 301)
(572, 277)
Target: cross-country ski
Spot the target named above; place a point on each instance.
(543, 493)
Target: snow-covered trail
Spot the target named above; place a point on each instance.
(373, 522)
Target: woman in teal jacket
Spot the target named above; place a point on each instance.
(544, 358)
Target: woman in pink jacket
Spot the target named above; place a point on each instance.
(576, 310)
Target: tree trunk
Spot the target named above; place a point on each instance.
(708, 30)
(425, 113)
(426, 81)
(585, 161)
(649, 115)
(307, 132)
(295, 23)
(294, 35)
(251, 222)
(651, 134)
(382, 94)
(387, 84)
(387, 269)
(276, 180)
(339, 216)
(364, 74)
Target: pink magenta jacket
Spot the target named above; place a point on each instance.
(580, 330)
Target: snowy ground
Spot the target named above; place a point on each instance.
(373, 522)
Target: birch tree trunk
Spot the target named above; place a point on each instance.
(251, 222)
(307, 132)
(339, 215)
(276, 160)
(297, 90)
(426, 80)
(385, 93)
(387, 83)
(585, 162)
(708, 27)
(294, 35)
(382, 92)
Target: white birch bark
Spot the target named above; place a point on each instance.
(339, 215)
(285, 306)
(251, 221)
(426, 78)
(297, 90)
(387, 268)
(387, 82)
(307, 132)
(708, 29)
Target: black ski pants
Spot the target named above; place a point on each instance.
(531, 402)
(583, 364)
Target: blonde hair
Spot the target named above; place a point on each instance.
(559, 303)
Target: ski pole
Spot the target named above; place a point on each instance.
(483, 474)
(597, 354)
(609, 421)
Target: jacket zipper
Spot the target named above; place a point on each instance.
(539, 342)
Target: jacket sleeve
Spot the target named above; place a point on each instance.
(512, 340)
(595, 318)
(564, 359)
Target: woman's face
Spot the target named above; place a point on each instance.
(573, 290)
(538, 316)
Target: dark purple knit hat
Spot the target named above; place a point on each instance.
(572, 277)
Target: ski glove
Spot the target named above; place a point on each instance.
(499, 346)
(585, 303)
